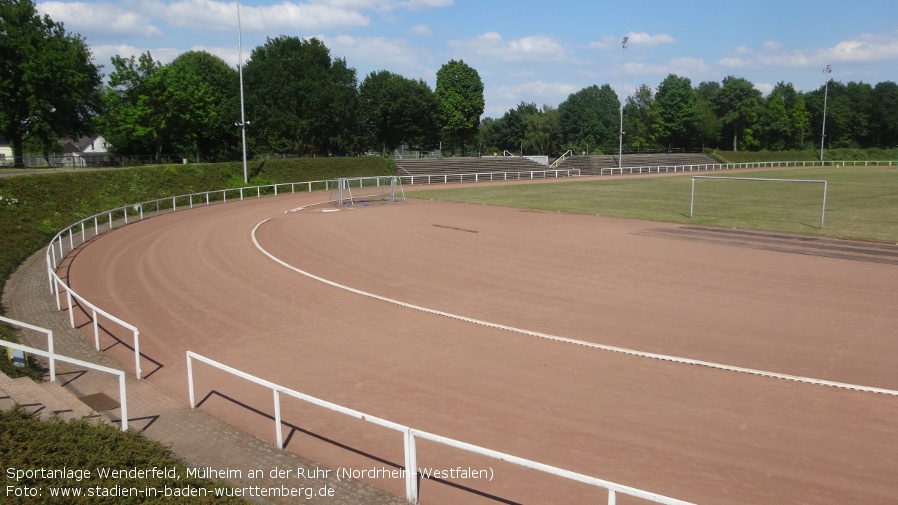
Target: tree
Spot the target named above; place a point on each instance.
(135, 118)
(511, 127)
(638, 119)
(539, 130)
(397, 110)
(884, 117)
(589, 120)
(298, 99)
(738, 104)
(50, 86)
(202, 90)
(775, 122)
(488, 136)
(676, 112)
(459, 93)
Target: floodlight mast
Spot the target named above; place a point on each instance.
(827, 70)
(620, 148)
(243, 122)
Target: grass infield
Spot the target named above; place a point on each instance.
(861, 203)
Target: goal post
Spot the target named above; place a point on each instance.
(758, 179)
(350, 191)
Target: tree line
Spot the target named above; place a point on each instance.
(301, 100)
(728, 115)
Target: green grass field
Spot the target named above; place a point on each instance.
(861, 203)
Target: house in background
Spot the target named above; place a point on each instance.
(84, 152)
(6, 159)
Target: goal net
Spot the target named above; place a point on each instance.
(759, 200)
(350, 191)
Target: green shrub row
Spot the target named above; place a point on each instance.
(873, 154)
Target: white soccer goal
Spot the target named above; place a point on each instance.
(755, 179)
(367, 190)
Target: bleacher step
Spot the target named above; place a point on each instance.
(45, 399)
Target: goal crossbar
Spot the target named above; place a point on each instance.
(759, 179)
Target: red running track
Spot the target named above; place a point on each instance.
(195, 281)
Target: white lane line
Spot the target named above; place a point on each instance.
(631, 352)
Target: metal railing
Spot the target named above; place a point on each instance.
(489, 176)
(562, 158)
(53, 357)
(410, 435)
(736, 166)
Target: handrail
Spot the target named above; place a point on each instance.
(123, 399)
(562, 158)
(736, 166)
(410, 434)
(488, 176)
(47, 332)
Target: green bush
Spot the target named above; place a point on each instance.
(873, 154)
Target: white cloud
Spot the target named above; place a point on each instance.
(209, 14)
(865, 48)
(370, 54)
(644, 39)
(491, 47)
(108, 19)
(422, 30)
(501, 98)
(638, 39)
(764, 87)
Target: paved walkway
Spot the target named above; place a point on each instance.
(197, 438)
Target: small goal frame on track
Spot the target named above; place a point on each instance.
(376, 189)
(758, 179)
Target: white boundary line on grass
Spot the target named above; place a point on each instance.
(631, 352)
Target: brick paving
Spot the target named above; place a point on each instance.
(200, 440)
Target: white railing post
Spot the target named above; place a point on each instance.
(124, 400)
(96, 329)
(411, 467)
(68, 296)
(51, 264)
(190, 381)
(278, 432)
(137, 353)
(612, 497)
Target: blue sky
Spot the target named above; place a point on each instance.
(524, 50)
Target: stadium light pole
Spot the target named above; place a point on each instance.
(828, 70)
(620, 148)
(243, 122)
